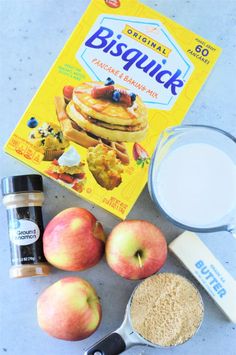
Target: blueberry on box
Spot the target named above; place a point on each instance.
(109, 81)
(116, 96)
(32, 123)
(132, 96)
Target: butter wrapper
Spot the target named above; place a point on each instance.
(209, 272)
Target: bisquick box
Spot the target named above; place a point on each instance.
(155, 68)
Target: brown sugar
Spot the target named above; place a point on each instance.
(166, 309)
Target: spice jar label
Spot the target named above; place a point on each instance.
(24, 232)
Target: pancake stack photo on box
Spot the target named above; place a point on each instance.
(101, 117)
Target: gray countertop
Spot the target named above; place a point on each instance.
(32, 34)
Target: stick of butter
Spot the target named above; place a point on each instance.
(211, 274)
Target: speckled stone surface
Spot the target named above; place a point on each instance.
(32, 34)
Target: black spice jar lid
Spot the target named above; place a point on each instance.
(22, 183)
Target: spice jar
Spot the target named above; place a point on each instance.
(23, 198)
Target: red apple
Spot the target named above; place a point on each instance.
(69, 309)
(136, 249)
(74, 240)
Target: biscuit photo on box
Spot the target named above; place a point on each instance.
(69, 169)
(49, 140)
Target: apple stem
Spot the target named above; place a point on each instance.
(140, 261)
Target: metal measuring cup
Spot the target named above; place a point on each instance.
(125, 336)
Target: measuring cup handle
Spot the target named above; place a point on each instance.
(113, 344)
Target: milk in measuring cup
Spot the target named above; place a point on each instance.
(195, 184)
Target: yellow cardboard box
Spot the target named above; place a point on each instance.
(97, 143)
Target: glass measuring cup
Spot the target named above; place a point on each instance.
(125, 336)
(223, 146)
